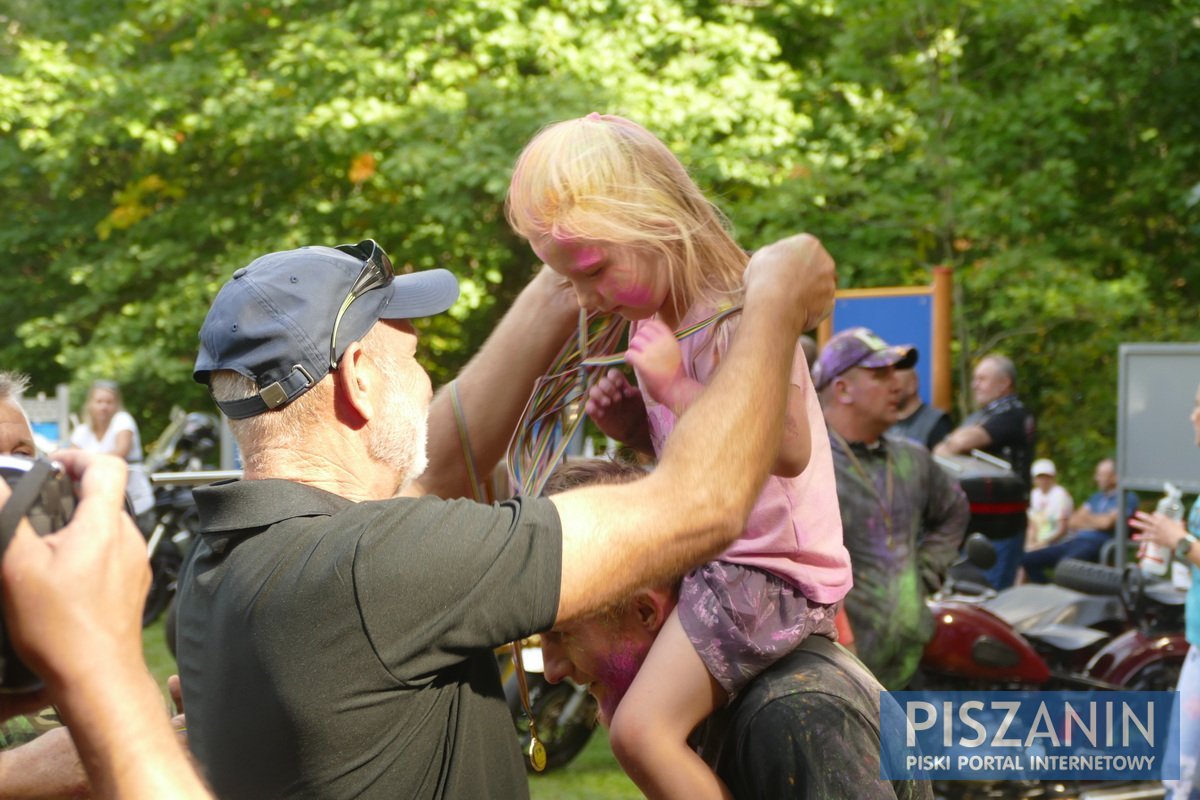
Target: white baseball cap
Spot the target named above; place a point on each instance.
(1043, 466)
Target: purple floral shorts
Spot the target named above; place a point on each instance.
(741, 620)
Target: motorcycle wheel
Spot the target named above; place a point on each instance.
(564, 739)
(164, 570)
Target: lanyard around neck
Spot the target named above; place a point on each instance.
(885, 500)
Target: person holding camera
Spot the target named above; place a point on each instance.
(72, 610)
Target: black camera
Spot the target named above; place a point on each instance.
(45, 495)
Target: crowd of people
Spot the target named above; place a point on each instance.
(337, 617)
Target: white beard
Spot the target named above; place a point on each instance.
(399, 435)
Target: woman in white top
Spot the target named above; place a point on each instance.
(108, 428)
(1050, 505)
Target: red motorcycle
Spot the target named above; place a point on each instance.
(1096, 628)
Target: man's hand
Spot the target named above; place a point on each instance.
(556, 291)
(799, 271)
(73, 605)
(179, 721)
(73, 599)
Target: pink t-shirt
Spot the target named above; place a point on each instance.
(795, 529)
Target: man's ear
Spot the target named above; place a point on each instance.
(841, 390)
(353, 382)
(652, 608)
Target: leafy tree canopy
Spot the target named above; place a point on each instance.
(1046, 150)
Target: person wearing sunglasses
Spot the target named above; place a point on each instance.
(337, 617)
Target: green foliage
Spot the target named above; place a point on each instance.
(151, 150)
(1046, 150)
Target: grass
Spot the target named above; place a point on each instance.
(158, 657)
(593, 775)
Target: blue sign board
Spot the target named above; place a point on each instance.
(897, 319)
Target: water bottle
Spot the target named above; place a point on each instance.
(1153, 558)
(1181, 575)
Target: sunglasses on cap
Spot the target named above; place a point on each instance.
(376, 273)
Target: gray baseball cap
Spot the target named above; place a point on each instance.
(274, 320)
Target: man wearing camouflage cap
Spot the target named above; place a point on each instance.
(903, 518)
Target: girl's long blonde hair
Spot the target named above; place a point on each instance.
(605, 178)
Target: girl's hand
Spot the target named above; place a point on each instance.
(654, 352)
(617, 408)
(1157, 528)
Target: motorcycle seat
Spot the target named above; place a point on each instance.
(1066, 638)
(1042, 606)
(1165, 594)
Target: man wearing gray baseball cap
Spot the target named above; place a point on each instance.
(335, 639)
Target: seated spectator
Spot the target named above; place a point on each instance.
(108, 428)
(781, 735)
(1050, 507)
(1089, 527)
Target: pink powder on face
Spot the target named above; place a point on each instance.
(633, 295)
(587, 257)
(615, 672)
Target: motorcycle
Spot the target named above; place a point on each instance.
(1097, 628)
(563, 714)
(187, 444)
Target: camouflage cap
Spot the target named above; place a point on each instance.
(859, 347)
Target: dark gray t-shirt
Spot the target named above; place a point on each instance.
(805, 729)
(331, 649)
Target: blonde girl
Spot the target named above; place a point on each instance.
(607, 205)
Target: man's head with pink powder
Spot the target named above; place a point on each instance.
(605, 651)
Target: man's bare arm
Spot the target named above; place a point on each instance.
(963, 440)
(49, 766)
(616, 539)
(495, 386)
